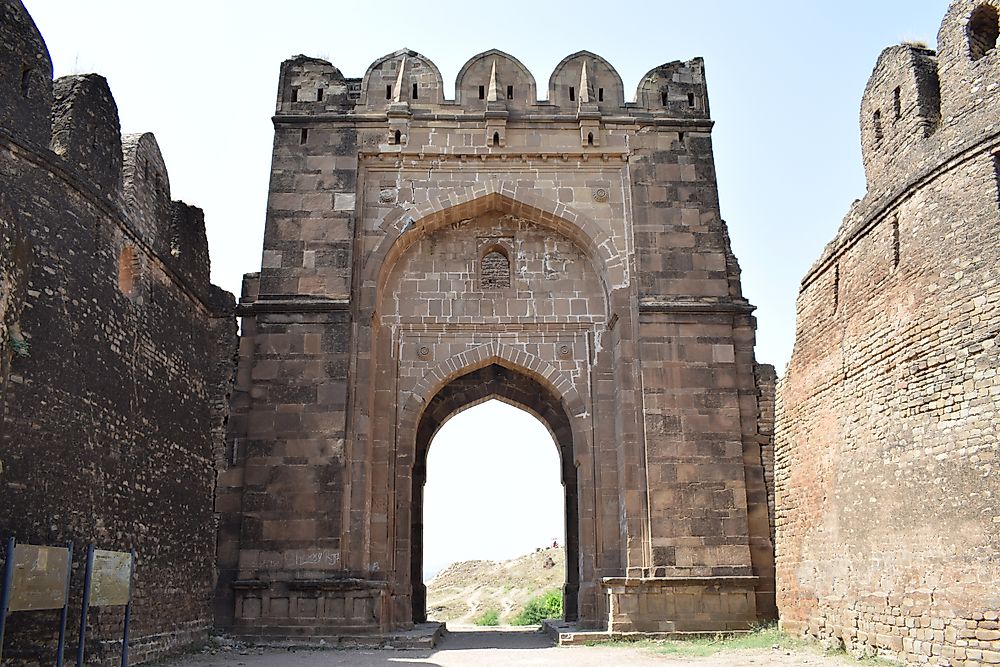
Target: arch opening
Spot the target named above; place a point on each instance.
(528, 394)
(984, 28)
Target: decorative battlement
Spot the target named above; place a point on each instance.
(493, 82)
(923, 111)
(921, 104)
(72, 123)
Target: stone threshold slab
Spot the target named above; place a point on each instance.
(568, 634)
(422, 636)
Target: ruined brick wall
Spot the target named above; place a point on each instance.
(885, 441)
(113, 416)
(413, 242)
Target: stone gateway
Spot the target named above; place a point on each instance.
(423, 255)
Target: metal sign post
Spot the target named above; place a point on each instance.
(88, 573)
(65, 609)
(128, 608)
(8, 579)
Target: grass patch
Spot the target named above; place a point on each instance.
(767, 637)
(490, 617)
(547, 605)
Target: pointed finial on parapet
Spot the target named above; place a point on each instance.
(586, 89)
(491, 94)
(397, 90)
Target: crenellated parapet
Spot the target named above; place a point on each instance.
(922, 107)
(923, 110)
(85, 130)
(26, 76)
(406, 81)
(71, 126)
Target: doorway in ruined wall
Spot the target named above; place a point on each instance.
(521, 391)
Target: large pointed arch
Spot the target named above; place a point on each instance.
(404, 227)
(517, 387)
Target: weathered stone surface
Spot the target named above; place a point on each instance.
(886, 431)
(116, 355)
(422, 255)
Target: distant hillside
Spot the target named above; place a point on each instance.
(464, 591)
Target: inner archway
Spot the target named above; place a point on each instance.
(493, 493)
(520, 390)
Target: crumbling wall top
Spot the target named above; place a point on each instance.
(26, 74)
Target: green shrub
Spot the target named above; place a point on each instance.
(489, 617)
(547, 605)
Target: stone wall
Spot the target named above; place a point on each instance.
(117, 356)
(885, 440)
(565, 255)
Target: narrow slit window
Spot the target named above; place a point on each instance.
(295, 94)
(680, 137)
(303, 136)
(877, 122)
(600, 94)
(836, 287)
(663, 98)
(510, 92)
(397, 137)
(572, 94)
(996, 174)
(496, 138)
(319, 94)
(415, 91)
(897, 104)
(25, 81)
(590, 138)
(494, 270)
(691, 100)
(388, 92)
(482, 92)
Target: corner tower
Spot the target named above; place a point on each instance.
(567, 255)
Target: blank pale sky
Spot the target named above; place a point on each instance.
(784, 78)
(493, 487)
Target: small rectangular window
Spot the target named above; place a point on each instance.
(295, 94)
(482, 92)
(663, 98)
(319, 94)
(388, 92)
(691, 100)
(510, 92)
(414, 91)
(600, 94)
(303, 136)
(572, 94)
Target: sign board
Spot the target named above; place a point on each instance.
(111, 577)
(39, 578)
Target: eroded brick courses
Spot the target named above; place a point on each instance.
(116, 359)
(887, 525)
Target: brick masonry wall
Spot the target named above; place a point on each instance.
(885, 448)
(112, 420)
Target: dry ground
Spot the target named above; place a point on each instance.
(463, 591)
(508, 648)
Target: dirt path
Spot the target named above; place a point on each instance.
(503, 648)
